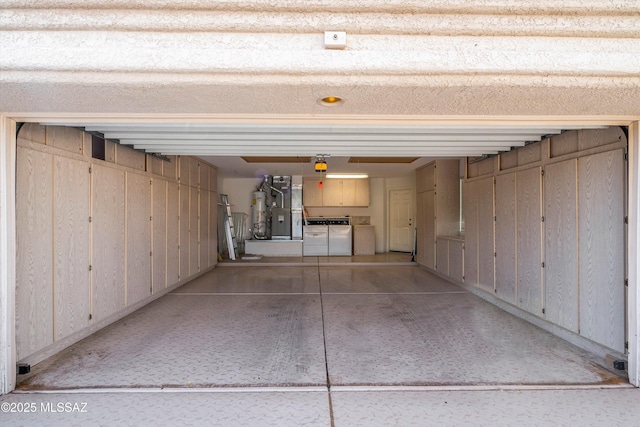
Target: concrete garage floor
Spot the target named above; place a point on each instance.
(323, 345)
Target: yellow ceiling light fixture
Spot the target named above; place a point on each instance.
(330, 101)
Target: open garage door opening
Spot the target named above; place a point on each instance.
(544, 240)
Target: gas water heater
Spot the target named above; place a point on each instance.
(259, 215)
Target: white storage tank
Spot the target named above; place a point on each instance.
(259, 215)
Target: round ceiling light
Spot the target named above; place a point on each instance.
(330, 101)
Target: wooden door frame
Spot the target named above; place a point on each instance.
(7, 254)
(633, 255)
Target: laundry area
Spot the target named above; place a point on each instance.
(319, 344)
(279, 222)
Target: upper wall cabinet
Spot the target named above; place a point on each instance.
(447, 187)
(184, 166)
(426, 178)
(335, 192)
(66, 138)
(170, 167)
(127, 156)
(205, 181)
(362, 195)
(443, 177)
(213, 179)
(332, 190)
(312, 192)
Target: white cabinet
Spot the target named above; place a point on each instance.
(34, 261)
(529, 240)
(425, 178)
(449, 257)
(348, 192)
(485, 227)
(364, 240)
(332, 192)
(601, 248)
(479, 243)
(312, 192)
(95, 238)
(71, 244)
(335, 192)
(505, 238)
(438, 213)
(361, 192)
(426, 229)
(551, 243)
(108, 239)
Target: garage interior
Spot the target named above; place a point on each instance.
(517, 152)
(182, 319)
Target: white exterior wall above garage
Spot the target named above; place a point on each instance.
(402, 58)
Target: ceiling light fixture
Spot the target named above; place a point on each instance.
(348, 175)
(330, 101)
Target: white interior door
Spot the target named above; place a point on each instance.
(401, 220)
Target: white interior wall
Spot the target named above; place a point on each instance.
(239, 191)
